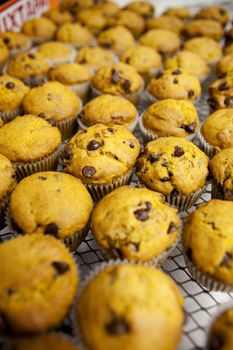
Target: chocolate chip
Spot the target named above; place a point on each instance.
(177, 72)
(115, 76)
(131, 145)
(190, 93)
(6, 40)
(88, 171)
(222, 12)
(107, 44)
(164, 179)
(82, 61)
(31, 55)
(178, 152)
(154, 157)
(60, 267)
(159, 75)
(189, 127)
(148, 206)
(172, 227)
(10, 85)
(27, 66)
(127, 60)
(212, 103)
(42, 115)
(216, 342)
(42, 178)
(93, 145)
(223, 87)
(117, 326)
(51, 229)
(189, 254)
(174, 192)
(175, 81)
(52, 122)
(10, 291)
(141, 214)
(126, 85)
(226, 259)
(67, 154)
(228, 101)
(110, 130)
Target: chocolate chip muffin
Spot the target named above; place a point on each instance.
(169, 118)
(124, 294)
(39, 29)
(117, 39)
(65, 217)
(4, 54)
(93, 19)
(56, 52)
(55, 102)
(33, 295)
(118, 79)
(210, 226)
(180, 12)
(204, 27)
(164, 41)
(221, 93)
(95, 57)
(174, 167)
(129, 19)
(75, 34)
(176, 84)
(109, 110)
(207, 48)
(30, 67)
(217, 13)
(143, 8)
(15, 42)
(102, 157)
(225, 66)
(12, 92)
(141, 214)
(59, 16)
(166, 22)
(221, 332)
(189, 61)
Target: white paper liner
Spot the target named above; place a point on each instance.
(8, 116)
(209, 150)
(99, 191)
(152, 99)
(130, 127)
(81, 89)
(205, 279)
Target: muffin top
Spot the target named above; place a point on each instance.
(217, 129)
(39, 28)
(180, 12)
(127, 294)
(28, 138)
(172, 165)
(4, 52)
(54, 49)
(52, 100)
(142, 58)
(211, 226)
(166, 22)
(117, 79)
(28, 64)
(70, 73)
(162, 40)
(95, 57)
(75, 34)
(148, 226)
(109, 110)
(207, 48)
(12, 92)
(225, 65)
(92, 18)
(204, 27)
(221, 93)
(221, 331)
(171, 118)
(143, 8)
(33, 283)
(177, 84)
(59, 16)
(101, 154)
(108, 8)
(66, 214)
(190, 61)
(7, 176)
(116, 38)
(15, 41)
(76, 5)
(218, 13)
(221, 166)
(129, 19)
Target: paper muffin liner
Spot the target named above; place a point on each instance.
(130, 127)
(46, 163)
(68, 127)
(53, 62)
(152, 99)
(8, 116)
(209, 150)
(99, 191)
(149, 136)
(82, 90)
(3, 208)
(206, 280)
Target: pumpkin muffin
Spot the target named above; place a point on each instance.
(59, 16)
(76, 5)
(118, 79)
(148, 227)
(169, 118)
(75, 34)
(210, 225)
(34, 298)
(126, 294)
(217, 13)
(189, 61)
(31, 210)
(176, 84)
(166, 22)
(221, 332)
(93, 19)
(164, 41)
(95, 57)
(108, 8)
(109, 110)
(204, 27)
(207, 48)
(15, 42)
(221, 166)
(143, 8)
(179, 12)
(117, 39)
(129, 19)
(174, 167)
(31, 143)
(221, 93)
(225, 66)
(102, 157)
(4, 54)
(56, 52)
(30, 67)
(39, 29)
(55, 101)
(12, 92)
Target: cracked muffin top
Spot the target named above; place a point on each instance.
(166, 22)
(211, 226)
(180, 12)
(75, 34)
(143, 8)
(101, 154)
(39, 29)
(172, 165)
(95, 57)
(130, 20)
(147, 225)
(221, 331)
(92, 18)
(70, 73)
(207, 48)
(217, 13)
(58, 16)
(116, 38)
(204, 27)
(162, 40)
